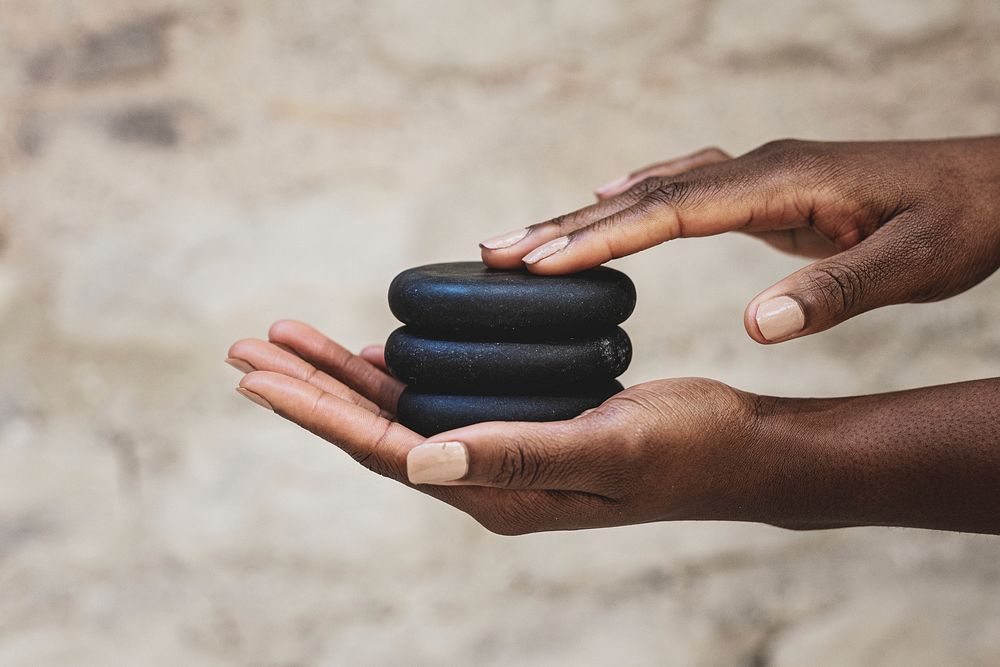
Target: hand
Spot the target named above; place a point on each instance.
(673, 449)
(894, 222)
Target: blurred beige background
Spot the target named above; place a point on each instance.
(177, 175)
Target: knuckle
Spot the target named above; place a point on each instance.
(603, 228)
(561, 222)
(797, 158)
(313, 417)
(646, 185)
(506, 468)
(838, 286)
(519, 465)
(657, 191)
(544, 459)
(667, 193)
(378, 459)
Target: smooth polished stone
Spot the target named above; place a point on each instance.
(489, 367)
(469, 298)
(428, 413)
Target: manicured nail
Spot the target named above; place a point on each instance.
(780, 317)
(504, 240)
(611, 186)
(256, 398)
(436, 462)
(546, 250)
(240, 365)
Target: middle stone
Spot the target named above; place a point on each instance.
(506, 366)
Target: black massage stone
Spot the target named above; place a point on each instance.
(428, 413)
(469, 299)
(488, 345)
(505, 367)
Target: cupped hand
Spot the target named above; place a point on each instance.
(672, 449)
(893, 222)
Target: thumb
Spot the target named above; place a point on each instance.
(565, 455)
(882, 270)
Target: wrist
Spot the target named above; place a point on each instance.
(803, 479)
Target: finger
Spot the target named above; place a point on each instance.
(375, 355)
(507, 250)
(375, 442)
(884, 269)
(640, 226)
(701, 158)
(382, 446)
(260, 355)
(768, 189)
(573, 455)
(635, 228)
(338, 362)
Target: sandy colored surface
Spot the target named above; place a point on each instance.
(178, 175)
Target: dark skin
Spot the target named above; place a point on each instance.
(890, 223)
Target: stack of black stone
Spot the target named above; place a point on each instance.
(482, 344)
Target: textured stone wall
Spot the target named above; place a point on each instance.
(176, 175)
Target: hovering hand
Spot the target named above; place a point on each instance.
(662, 450)
(894, 222)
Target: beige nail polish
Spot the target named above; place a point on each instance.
(546, 250)
(504, 240)
(435, 462)
(256, 398)
(240, 365)
(610, 186)
(780, 317)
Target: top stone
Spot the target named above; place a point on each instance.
(467, 298)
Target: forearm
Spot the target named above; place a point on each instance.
(926, 458)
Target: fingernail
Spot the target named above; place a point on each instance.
(504, 240)
(256, 398)
(546, 250)
(611, 186)
(780, 317)
(240, 365)
(436, 462)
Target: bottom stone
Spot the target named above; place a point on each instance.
(428, 414)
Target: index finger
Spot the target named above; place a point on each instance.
(258, 355)
(507, 250)
(339, 362)
(375, 442)
(757, 192)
